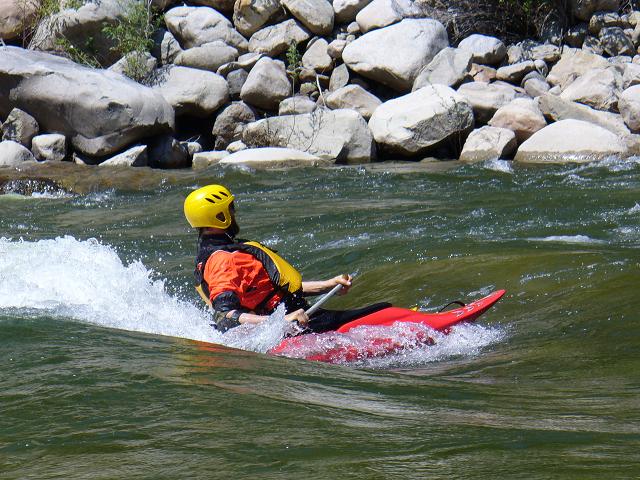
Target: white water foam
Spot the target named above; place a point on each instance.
(87, 281)
(567, 239)
(504, 166)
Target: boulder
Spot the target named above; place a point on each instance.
(593, 45)
(191, 91)
(271, 157)
(12, 154)
(20, 127)
(534, 87)
(245, 62)
(267, 84)
(134, 157)
(224, 6)
(275, 40)
(530, 50)
(52, 147)
(196, 26)
(599, 88)
(100, 111)
(629, 105)
(486, 99)
(573, 63)
(583, 9)
(522, 116)
(575, 35)
(335, 49)
(516, 72)
(136, 65)
(209, 56)
(449, 67)
(206, 159)
(409, 45)
(15, 15)
(484, 49)
(631, 75)
(316, 56)
(339, 77)
(296, 105)
(316, 15)
(615, 42)
(230, 124)
(600, 20)
(346, 10)
(488, 143)
(570, 141)
(249, 16)
(381, 13)
(236, 146)
(354, 97)
(482, 73)
(236, 81)
(167, 152)
(340, 135)
(166, 48)
(410, 124)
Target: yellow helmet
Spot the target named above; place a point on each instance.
(209, 207)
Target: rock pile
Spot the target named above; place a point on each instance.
(316, 82)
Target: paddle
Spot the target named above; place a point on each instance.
(324, 298)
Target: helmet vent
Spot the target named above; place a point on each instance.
(209, 200)
(221, 217)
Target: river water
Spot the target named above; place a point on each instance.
(109, 369)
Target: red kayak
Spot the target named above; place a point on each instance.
(336, 347)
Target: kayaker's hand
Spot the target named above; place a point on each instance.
(344, 280)
(297, 316)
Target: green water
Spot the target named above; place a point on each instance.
(103, 376)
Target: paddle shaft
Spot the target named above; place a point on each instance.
(323, 299)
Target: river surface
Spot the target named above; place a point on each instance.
(109, 368)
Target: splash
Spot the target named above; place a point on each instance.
(569, 239)
(504, 166)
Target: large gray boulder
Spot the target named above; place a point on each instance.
(382, 13)
(191, 91)
(296, 105)
(12, 154)
(346, 10)
(570, 141)
(210, 56)
(573, 63)
(267, 84)
(555, 109)
(408, 46)
(100, 111)
(486, 99)
(410, 124)
(615, 42)
(230, 124)
(522, 116)
(249, 16)
(49, 147)
(629, 105)
(316, 15)
(274, 157)
(354, 97)
(449, 67)
(20, 127)
(15, 15)
(316, 57)
(196, 26)
(488, 143)
(340, 135)
(275, 40)
(484, 49)
(599, 88)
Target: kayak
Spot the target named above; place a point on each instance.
(336, 347)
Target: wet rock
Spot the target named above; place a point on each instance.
(267, 84)
(449, 67)
(296, 105)
(134, 157)
(51, 147)
(615, 42)
(316, 15)
(100, 111)
(410, 124)
(415, 43)
(599, 88)
(20, 127)
(236, 146)
(629, 105)
(516, 72)
(486, 99)
(191, 91)
(316, 56)
(209, 56)
(574, 63)
(271, 157)
(275, 40)
(192, 147)
(522, 116)
(570, 141)
(484, 49)
(14, 15)
(339, 77)
(354, 97)
(236, 81)
(206, 159)
(346, 10)
(167, 152)
(196, 26)
(230, 124)
(249, 16)
(340, 135)
(488, 143)
(12, 154)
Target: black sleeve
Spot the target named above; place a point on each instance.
(222, 304)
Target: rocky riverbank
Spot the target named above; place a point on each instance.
(290, 82)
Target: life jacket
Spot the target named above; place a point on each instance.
(286, 280)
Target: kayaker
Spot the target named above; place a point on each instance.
(244, 281)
